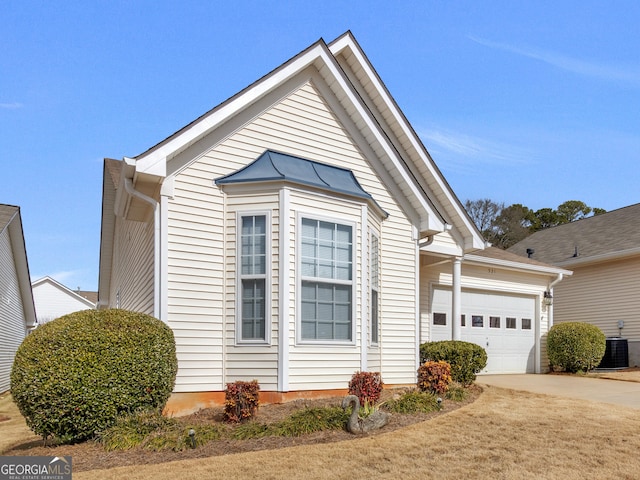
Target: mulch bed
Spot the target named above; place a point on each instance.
(91, 456)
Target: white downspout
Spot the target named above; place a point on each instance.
(157, 310)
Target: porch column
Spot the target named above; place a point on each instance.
(456, 299)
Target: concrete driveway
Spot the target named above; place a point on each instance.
(595, 389)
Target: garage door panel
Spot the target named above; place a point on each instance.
(510, 347)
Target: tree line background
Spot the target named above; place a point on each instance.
(506, 226)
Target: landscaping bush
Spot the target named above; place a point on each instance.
(434, 377)
(74, 376)
(241, 401)
(367, 386)
(466, 359)
(414, 402)
(575, 346)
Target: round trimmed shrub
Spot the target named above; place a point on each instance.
(575, 346)
(466, 358)
(74, 376)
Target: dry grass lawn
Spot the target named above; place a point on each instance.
(12, 426)
(504, 434)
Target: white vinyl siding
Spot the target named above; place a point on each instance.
(133, 269)
(602, 294)
(201, 278)
(12, 317)
(52, 301)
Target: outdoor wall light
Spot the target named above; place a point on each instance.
(548, 298)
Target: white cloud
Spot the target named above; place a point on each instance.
(627, 74)
(458, 149)
(11, 106)
(65, 277)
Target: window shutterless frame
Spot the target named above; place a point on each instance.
(253, 277)
(374, 273)
(325, 280)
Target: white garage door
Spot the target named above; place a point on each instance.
(504, 325)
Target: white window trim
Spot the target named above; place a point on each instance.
(300, 279)
(374, 234)
(268, 279)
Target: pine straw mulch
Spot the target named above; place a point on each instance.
(91, 455)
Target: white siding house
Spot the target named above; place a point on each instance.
(17, 312)
(53, 300)
(286, 236)
(603, 251)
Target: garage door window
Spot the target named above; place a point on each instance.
(477, 321)
(511, 322)
(526, 324)
(494, 322)
(439, 318)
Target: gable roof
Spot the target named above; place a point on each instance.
(87, 298)
(608, 236)
(275, 166)
(385, 133)
(11, 221)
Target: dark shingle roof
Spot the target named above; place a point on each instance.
(607, 233)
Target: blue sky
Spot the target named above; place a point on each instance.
(521, 102)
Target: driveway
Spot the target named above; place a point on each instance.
(595, 389)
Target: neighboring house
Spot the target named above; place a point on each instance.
(603, 251)
(300, 232)
(53, 300)
(17, 312)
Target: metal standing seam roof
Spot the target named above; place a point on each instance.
(276, 166)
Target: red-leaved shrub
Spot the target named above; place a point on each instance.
(367, 386)
(241, 401)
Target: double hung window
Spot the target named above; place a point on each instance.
(253, 277)
(326, 284)
(375, 287)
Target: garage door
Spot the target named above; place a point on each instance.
(504, 325)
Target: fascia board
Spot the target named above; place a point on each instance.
(547, 270)
(16, 234)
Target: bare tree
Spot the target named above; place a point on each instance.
(483, 212)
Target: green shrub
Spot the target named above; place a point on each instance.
(153, 431)
(303, 422)
(414, 401)
(74, 376)
(367, 386)
(466, 359)
(434, 377)
(575, 346)
(457, 392)
(241, 401)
